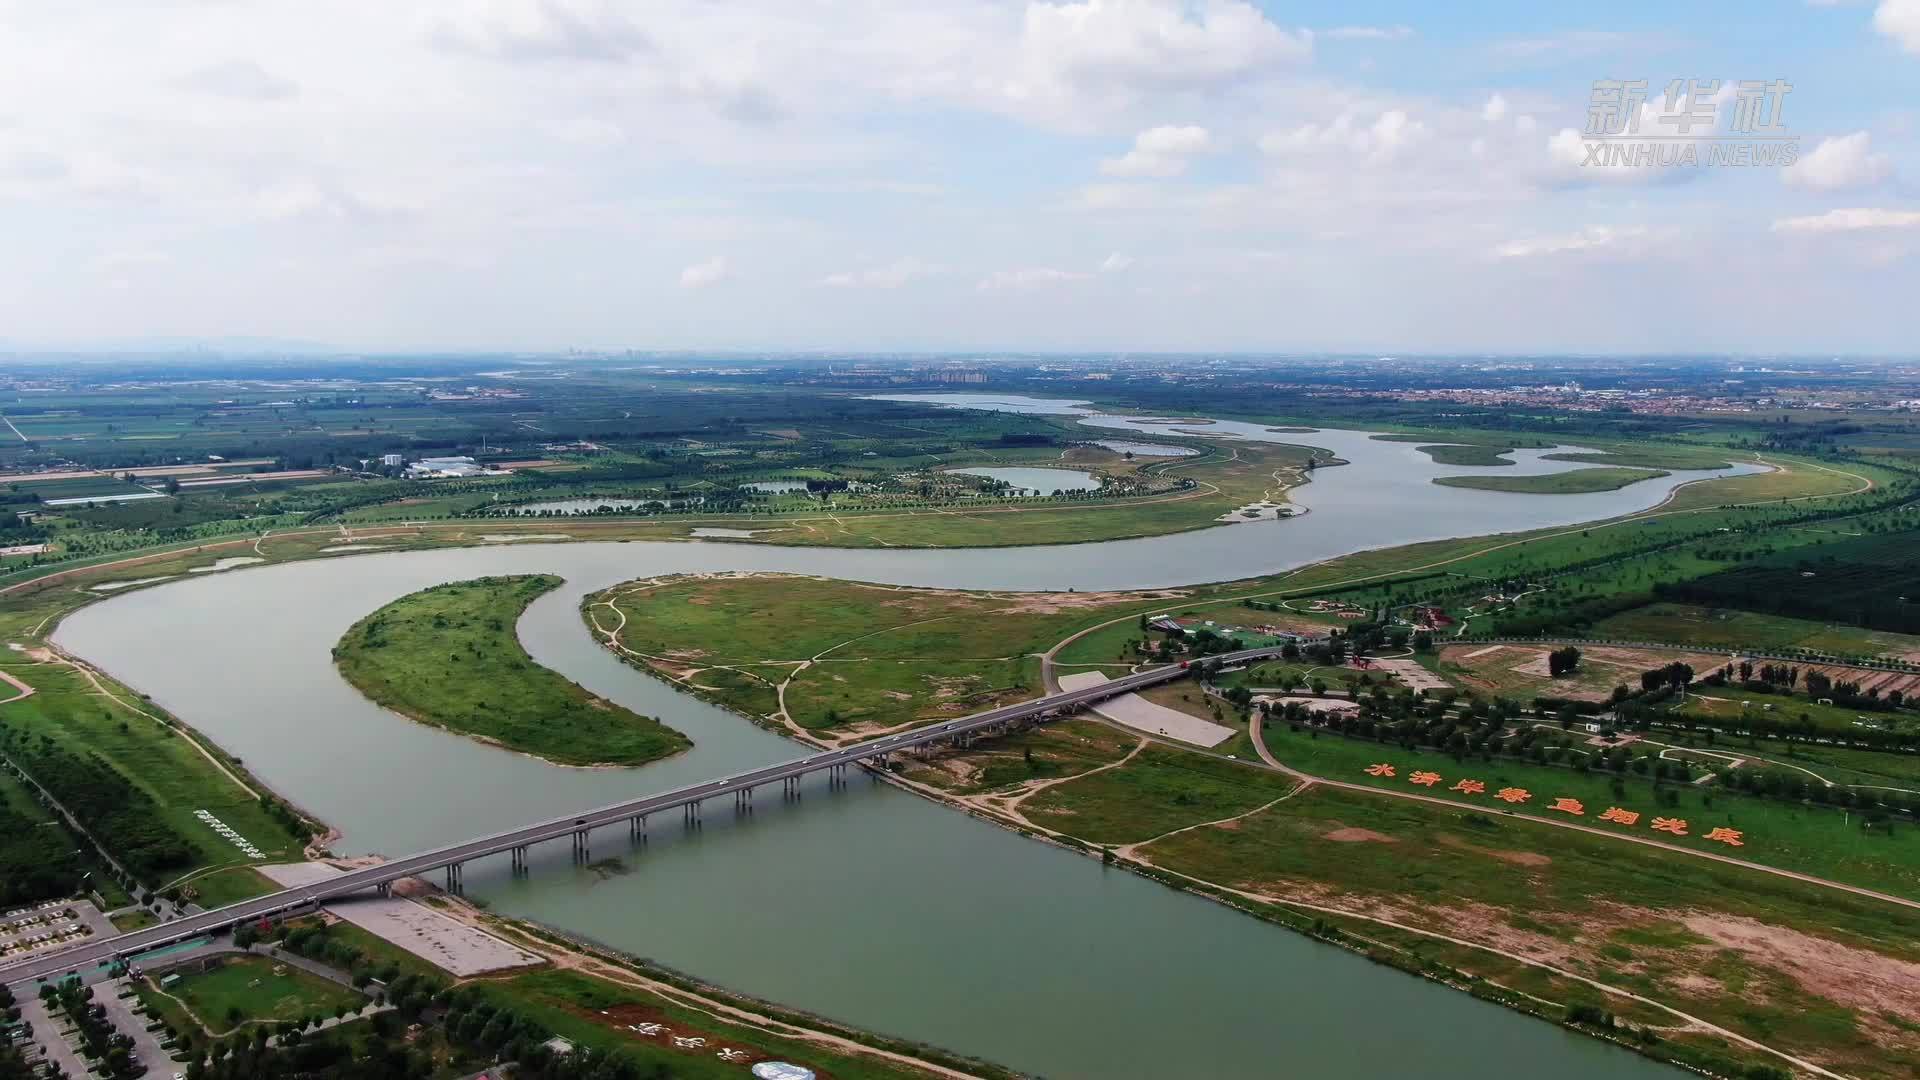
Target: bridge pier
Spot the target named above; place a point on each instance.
(384, 889)
(455, 878)
(637, 828)
(580, 846)
(692, 811)
(519, 860)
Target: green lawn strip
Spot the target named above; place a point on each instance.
(1813, 840)
(241, 989)
(596, 1013)
(449, 656)
(1860, 768)
(1158, 791)
(153, 758)
(1571, 894)
(1574, 481)
(751, 689)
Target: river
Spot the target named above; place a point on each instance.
(867, 904)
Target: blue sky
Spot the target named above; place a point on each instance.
(862, 175)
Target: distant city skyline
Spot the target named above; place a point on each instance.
(1156, 176)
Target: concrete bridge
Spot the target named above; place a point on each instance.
(452, 858)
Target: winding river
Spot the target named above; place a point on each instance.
(867, 904)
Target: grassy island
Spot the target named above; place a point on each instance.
(448, 656)
(1574, 482)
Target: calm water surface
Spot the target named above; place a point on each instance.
(868, 904)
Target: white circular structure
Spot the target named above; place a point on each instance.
(780, 1070)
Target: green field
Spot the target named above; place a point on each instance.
(1656, 923)
(1467, 454)
(1571, 482)
(1159, 791)
(857, 655)
(1691, 624)
(251, 989)
(449, 656)
(1813, 840)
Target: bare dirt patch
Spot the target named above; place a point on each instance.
(1351, 835)
(1848, 976)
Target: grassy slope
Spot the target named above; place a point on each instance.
(448, 656)
(1572, 482)
(1687, 624)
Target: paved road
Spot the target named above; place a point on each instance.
(105, 950)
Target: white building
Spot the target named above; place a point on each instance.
(393, 459)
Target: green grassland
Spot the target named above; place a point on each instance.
(1692, 624)
(248, 989)
(449, 656)
(1159, 791)
(856, 654)
(1571, 482)
(1808, 839)
(1467, 454)
(1652, 922)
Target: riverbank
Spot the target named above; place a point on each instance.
(1691, 965)
(449, 656)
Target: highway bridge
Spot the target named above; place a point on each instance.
(451, 858)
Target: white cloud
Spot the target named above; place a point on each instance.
(891, 276)
(1367, 33)
(1494, 109)
(1026, 278)
(707, 272)
(1899, 20)
(1380, 141)
(1157, 41)
(1115, 263)
(1838, 163)
(1857, 219)
(1593, 238)
(241, 79)
(1161, 151)
(541, 30)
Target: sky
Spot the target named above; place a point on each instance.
(877, 175)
